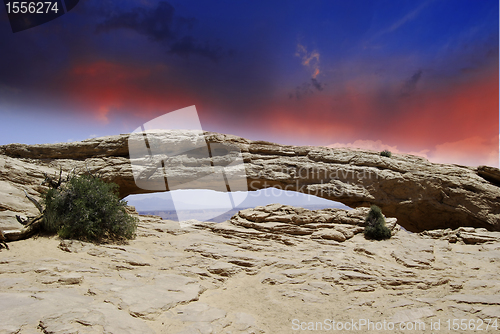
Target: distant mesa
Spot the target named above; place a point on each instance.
(262, 197)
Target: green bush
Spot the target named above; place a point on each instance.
(375, 225)
(386, 153)
(87, 208)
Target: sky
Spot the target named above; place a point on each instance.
(417, 77)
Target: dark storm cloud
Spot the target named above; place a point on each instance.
(301, 91)
(161, 24)
(316, 84)
(306, 89)
(187, 45)
(410, 84)
(155, 23)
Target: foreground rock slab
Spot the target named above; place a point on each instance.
(420, 194)
(260, 278)
(282, 222)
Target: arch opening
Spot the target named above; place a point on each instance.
(179, 203)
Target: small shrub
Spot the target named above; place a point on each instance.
(386, 153)
(87, 208)
(375, 225)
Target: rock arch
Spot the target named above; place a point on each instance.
(421, 194)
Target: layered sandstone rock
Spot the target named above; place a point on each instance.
(248, 276)
(279, 222)
(420, 194)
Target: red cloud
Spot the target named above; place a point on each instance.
(455, 122)
(465, 110)
(102, 87)
(452, 122)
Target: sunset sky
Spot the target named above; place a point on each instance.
(418, 77)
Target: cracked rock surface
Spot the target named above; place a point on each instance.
(255, 273)
(420, 194)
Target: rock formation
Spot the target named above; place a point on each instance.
(283, 220)
(266, 270)
(420, 194)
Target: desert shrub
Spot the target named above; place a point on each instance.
(87, 208)
(375, 225)
(386, 153)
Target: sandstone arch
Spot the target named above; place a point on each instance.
(421, 194)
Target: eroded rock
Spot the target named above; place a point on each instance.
(268, 222)
(227, 278)
(420, 194)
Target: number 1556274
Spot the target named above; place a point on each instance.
(25, 7)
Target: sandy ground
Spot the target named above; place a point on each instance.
(174, 280)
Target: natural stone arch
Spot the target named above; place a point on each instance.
(421, 194)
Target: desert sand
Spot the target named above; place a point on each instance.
(264, 278)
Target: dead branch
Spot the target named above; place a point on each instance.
(72, 172)
(31, 227)
(21, 221)
(35, 202)
(52, 180)
(2, 240)
(88, 170)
